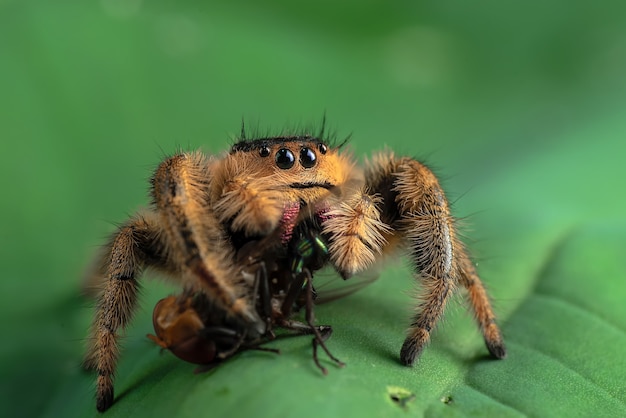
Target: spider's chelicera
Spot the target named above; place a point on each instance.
(243, 234)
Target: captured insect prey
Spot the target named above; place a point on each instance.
(199, 332)
(244, 234)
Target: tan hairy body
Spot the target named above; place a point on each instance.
(206, 209)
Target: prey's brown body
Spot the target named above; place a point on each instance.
(195, 329)
(206, 209)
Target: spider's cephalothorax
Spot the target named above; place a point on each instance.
(207, 209)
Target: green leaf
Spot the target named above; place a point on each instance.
(519, 109)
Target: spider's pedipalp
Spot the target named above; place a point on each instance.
(357, 234)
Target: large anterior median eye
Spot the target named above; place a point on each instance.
(285, 159)
(307, 157)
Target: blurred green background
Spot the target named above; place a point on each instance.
(519, 107)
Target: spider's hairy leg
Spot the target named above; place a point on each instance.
(479, 301)
(416, 207)
(196, 240)
(135, 245)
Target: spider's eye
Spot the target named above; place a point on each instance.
(264, 151)
(307, 157)
(285, 159)
(323, 148)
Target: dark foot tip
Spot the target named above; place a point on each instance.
(410, 352)
(497, 350)
(105, 401)
(407, 361)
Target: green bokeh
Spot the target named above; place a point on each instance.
(520, 109)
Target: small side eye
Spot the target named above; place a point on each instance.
(307, 157)
(323, 148)
(264, 151)
(285, 159)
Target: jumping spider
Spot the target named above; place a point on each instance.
(206, 209)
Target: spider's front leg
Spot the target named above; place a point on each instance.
(402, 202)
(180, 237)
(196, 241)
(416, 207)
(135, 246)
